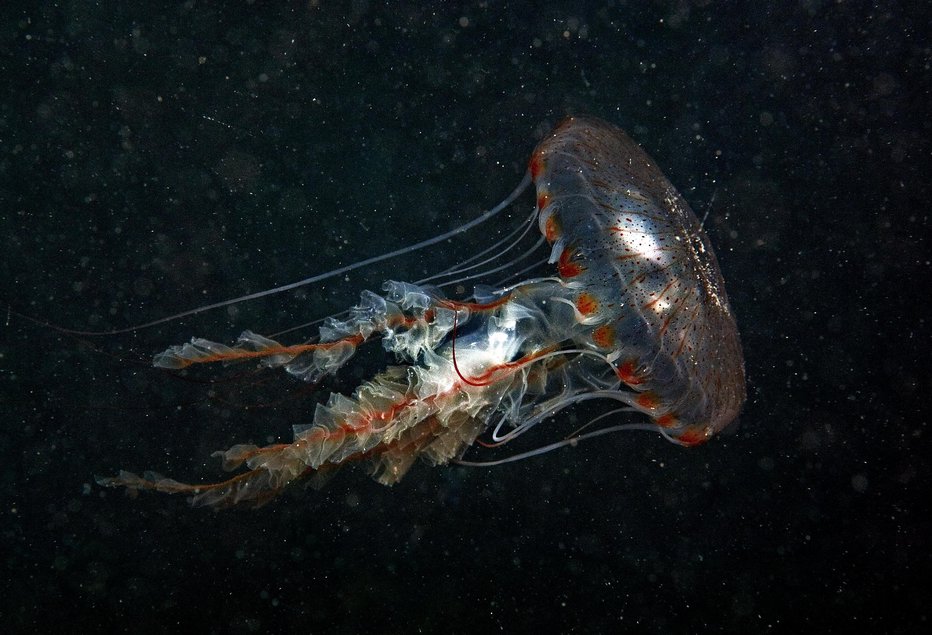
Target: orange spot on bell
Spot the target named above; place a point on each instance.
(536, 166)
(604, 336)
(543, 200)
(567, 267)
(587, 303)
(627, 372)
(693, 436)
(666, 421)
(552, 229)
(648, 400)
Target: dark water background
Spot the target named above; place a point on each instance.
(155, 156)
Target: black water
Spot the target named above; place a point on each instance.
(157, 156)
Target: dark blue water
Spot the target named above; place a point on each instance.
(154, 158)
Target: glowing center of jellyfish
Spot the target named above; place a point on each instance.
(500, 344)
(650, 247)
(660, 306)
(496, 350)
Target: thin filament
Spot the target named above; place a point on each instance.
(470, 263)
(326, 275)
(647, 427)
